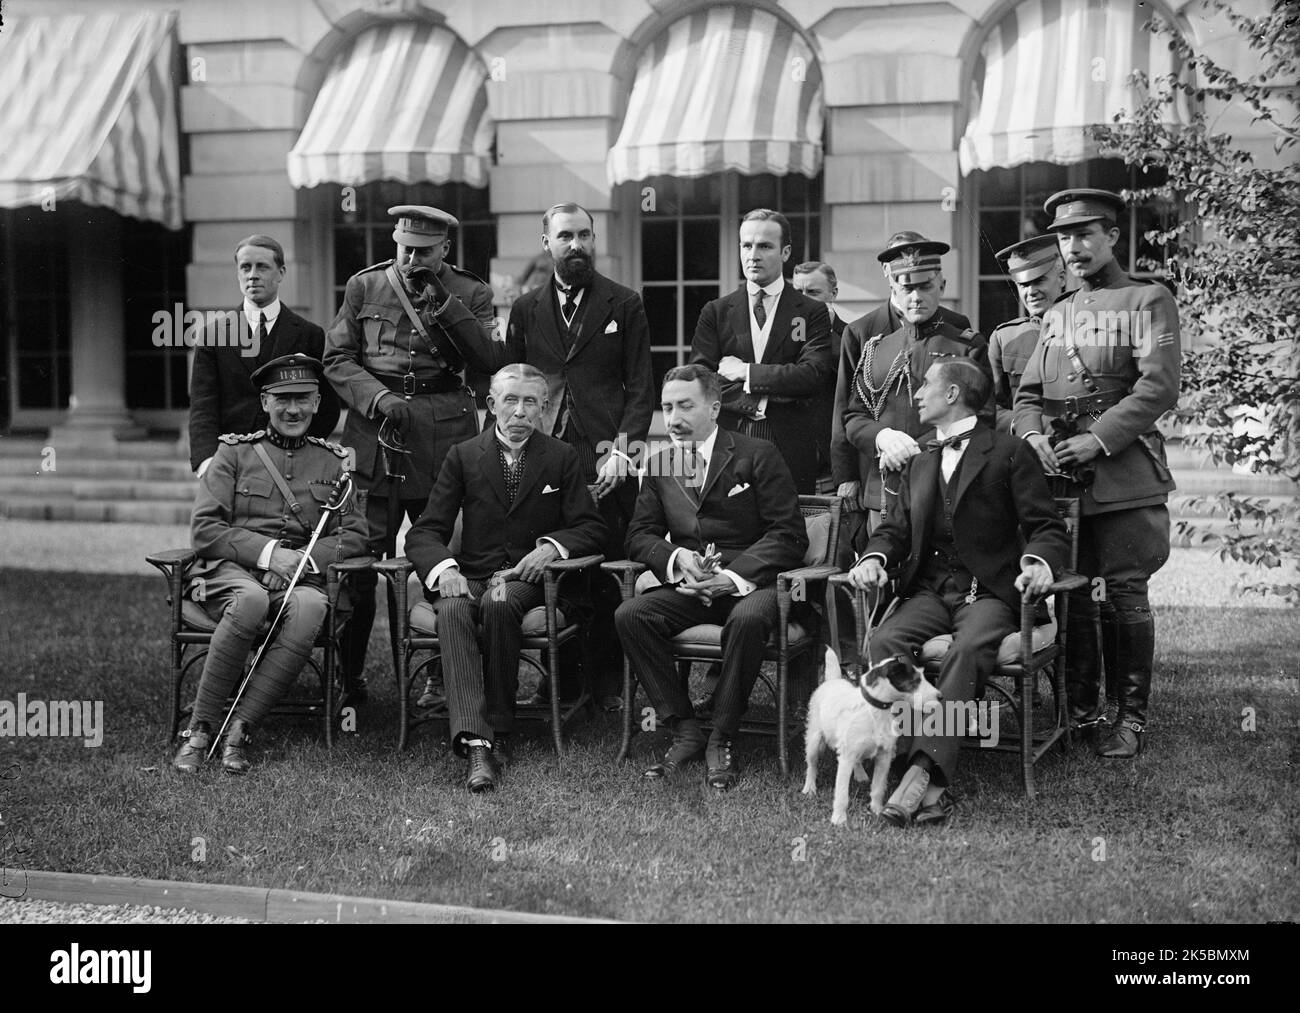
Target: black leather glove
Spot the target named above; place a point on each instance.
(398, 412)
(437, 290)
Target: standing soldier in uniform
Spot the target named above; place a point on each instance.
(1105, 369)
(880, 418)
(396, 353)
(1036, 268)
(259, 502)
(850, 477)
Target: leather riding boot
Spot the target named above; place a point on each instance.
(234, 758)
(198, 740)
(1082, 682)
(1135, 648)
(1110, 662)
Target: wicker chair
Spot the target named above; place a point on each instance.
(1023, 655)
(192, 629)
(795, 640)
(546, 631)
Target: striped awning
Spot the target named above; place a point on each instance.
(402, 102)
(89, 113)
(1049, 70)
(723, 88)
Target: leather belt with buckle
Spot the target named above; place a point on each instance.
(411, 385)
(1072, 407)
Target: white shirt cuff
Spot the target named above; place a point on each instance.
(747, 390)
(743, 586)
(877, 555)
(264, 559)
(1103, 445)
(1026, 559)
(564, 553)
(670, 571)
(431, 581)
(203, 467)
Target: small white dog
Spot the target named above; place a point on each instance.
(858, 722)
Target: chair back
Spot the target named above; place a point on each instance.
(821, 514)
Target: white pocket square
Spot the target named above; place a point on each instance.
(549, 488)
(611, 327)
(736, 490)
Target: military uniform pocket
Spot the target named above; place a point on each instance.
(379, 326)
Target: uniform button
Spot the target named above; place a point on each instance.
(288, 453)
(1071, 377)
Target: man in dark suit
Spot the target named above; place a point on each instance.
(716, 520)
(852, 474)
(523, 502)
(590, 337)
(880, 419)
(975, 526)
(223, 398)
(772, 347)
(817, 281)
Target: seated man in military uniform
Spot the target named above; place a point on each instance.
(257, 507)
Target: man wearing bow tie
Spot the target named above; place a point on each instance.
(975, 526)
(710, 488)
(589, 335)
(772, 346)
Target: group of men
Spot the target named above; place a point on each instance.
(760, 415)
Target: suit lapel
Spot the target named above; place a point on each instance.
(739, 317)
(783, 315)
(972, 461)
(723, 449)
(598, 300)
(490, 467)
(544, 322)
(534, 465)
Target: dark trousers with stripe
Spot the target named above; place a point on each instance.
(647, 623)
(481, 682)
(977, 630)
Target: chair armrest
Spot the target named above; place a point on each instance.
(171, 557)
(808, 573)
(625, 571)
(394, 569)
(353, 564)
(573, 564)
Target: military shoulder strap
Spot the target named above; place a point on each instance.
(282, 485)
(444, 356)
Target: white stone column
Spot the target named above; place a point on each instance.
(97, 414)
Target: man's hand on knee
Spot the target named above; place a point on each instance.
(533, 565)
(452, 583)
(283, 563)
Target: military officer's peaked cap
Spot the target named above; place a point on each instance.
(1030, 258)
(419, 226)
(1078, 207)
(289, 374)
(910, 257)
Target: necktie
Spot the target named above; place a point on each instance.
(760, 314)
(263, 352)
(570, 306)
(951, 441)
(691, 465)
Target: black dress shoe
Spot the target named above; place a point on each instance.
(434, 695)
(936, 812)
(684, 749)
(1123, 743)
(906, 800)
(198, 740)
(355, 692)
(483, 770)
(234, 756)
(724, 770)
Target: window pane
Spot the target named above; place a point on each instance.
(814, 250)
(474, 203)
(1044, 178)
(661, 363)
(700, 249)
(794, 193)
(477, 244)
(757, 192)
(659, 250)
(695, 298)
(1107, 174)
(349, 253)
(998, 304)
(998, 230)
(702, 196)
(661, 312)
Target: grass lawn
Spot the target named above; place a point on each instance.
(1203, 827)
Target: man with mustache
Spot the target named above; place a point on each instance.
(1105, 369)
(1035, 267)
(589, 335)
(396, 353)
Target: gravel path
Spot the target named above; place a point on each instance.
(44, 912)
